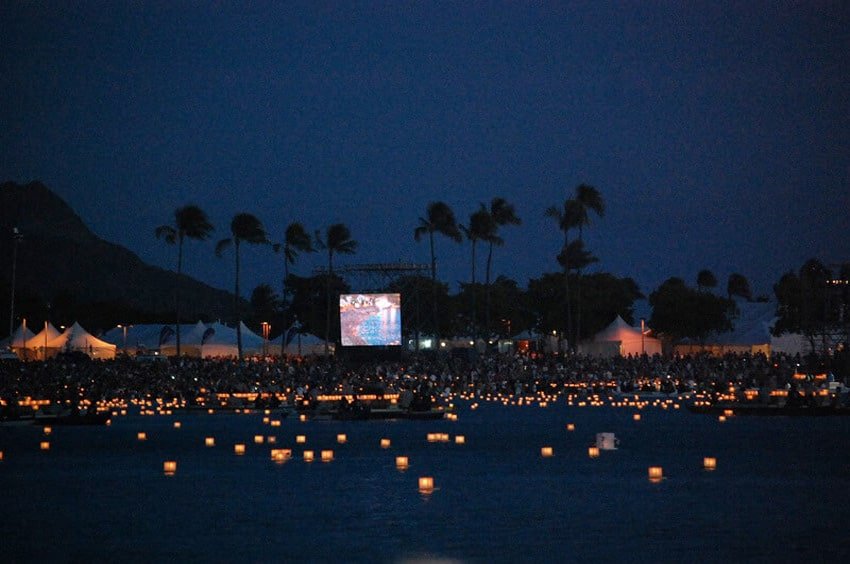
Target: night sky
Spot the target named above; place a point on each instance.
(718, 133)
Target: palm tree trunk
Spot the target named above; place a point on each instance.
(284, 336)
(434, 291)
(236, 303)
(578, 295)
(567, 290)
(328, 306)
(179, 282)
(487, 300)
(474, 318)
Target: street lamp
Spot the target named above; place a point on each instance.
(642, 333)
(125, 335)
(16, 238)
(266, 329)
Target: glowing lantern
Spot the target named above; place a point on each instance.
(656, 474)
(209, 441)
(433, 437)
(169, 467)
(308, 456)
(571, 427)
(275, 423)
(281, 455)
(265, 420)
(47, 430)
(267, 412)
(271, 439)
(327, 455)
(210, 411)
(385, 443)
(300, 439)
(636, 416)
(259, 439)
(302, 418)
(728, 412)
(239, 449)
(426, 484)
(546, 452)
(142, 436)
(460, 440)
(593, 452)
(444, 437)
(721, 418)
(709, 463)
(341, 438)
(177, 424)
(1, 455)
(402, 463)
(45, 445)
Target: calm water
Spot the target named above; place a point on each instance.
(781, 491)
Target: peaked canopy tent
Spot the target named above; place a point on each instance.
(307, 344)
(142, 337)
(620, 338)
(75, 338)
(191, 340)
(223, 341)
(18, 338)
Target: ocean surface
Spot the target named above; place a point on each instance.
(780, 493)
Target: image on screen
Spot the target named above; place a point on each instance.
(370, 320)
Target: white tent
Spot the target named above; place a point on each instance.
(18, 339)
(305, 344)
(191, 340)
(221, 341)
(620, 338)
(75, 338)
(141, 337)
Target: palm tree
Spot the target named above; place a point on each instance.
(502, 213)
(244, 228)
(567, 217)
(439, 218)
(295, 240)
(482, 227)
(588, 200)
(738, 285)
(337, 240)
(189, 222)
(705, 280)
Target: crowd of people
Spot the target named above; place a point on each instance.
(64, 379)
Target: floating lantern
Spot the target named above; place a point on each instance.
(341, 438)
(302, 418)
(444, 437)
(169, 467)
(210, 411)
(656, 474)
(460, 440)
(636, 416)
(142, 436)
(239, 449)
(259, 439)
(281, 455)
(426, 484)
(308, 456)
(47, 430)
(177, 424)
(209, 441)
(275, 423)
(267, 412)
(728, 412)
(593, 452)
(1, 455)
(327, 455)
(433, 437)
(123, 412)
(300, 439)
(709, 463)
(45, 445)
(546, 452)
(265, 420)
(402, 463)
(571, 427)
(385, 443)
(721, 418)
(271, 439)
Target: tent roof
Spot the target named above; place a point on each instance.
(618, 330)
(39, 339)
(751, 327)
(75, 337)
(19, 337)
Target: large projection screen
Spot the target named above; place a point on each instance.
(370, 320)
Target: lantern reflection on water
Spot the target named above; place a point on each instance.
(426, 484)
(402, 462)
(656, 473)
(709, 463)
(169, 467)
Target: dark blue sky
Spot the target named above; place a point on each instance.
(718, 134)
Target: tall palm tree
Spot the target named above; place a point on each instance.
(337, 240)
(439, 218)
(244, 228)
(705, 280)
(589, 200)
(481, 228)
(189, 222)
(296, 240)
(567, 218)
(502, 213)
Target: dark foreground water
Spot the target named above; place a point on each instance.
(781, 491)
